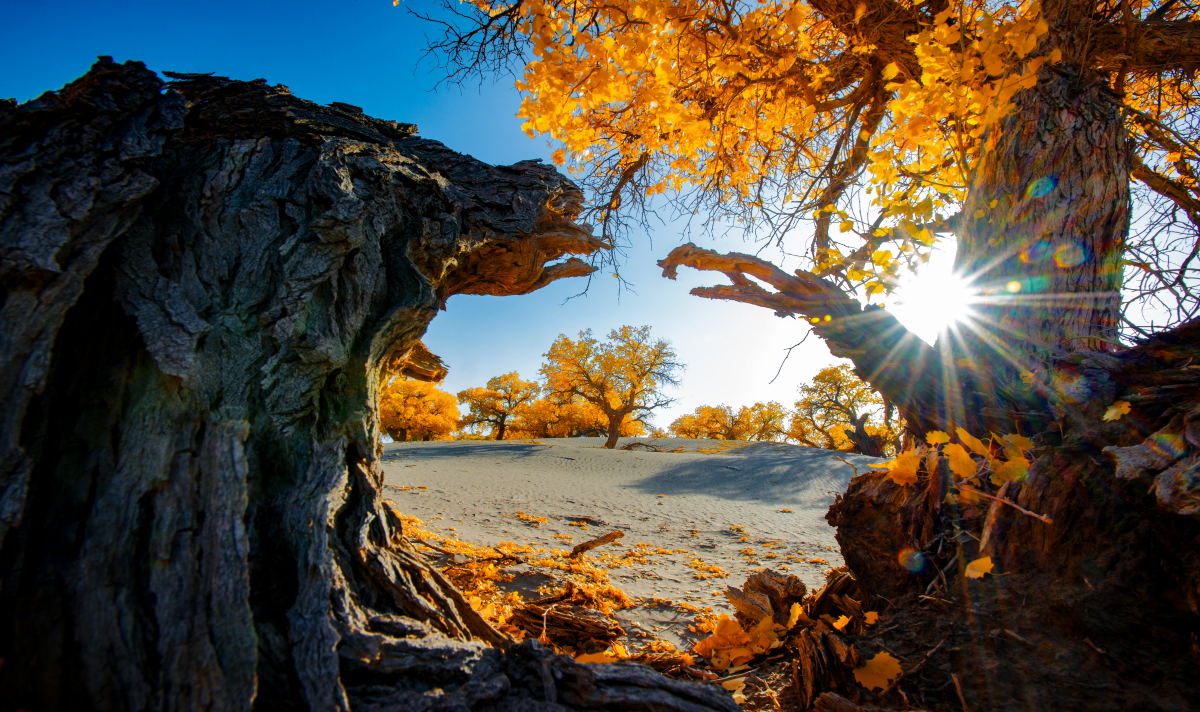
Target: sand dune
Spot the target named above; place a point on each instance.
(722, 502)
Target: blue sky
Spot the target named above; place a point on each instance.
(366, 53)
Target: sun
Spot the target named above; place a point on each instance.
(933, 299)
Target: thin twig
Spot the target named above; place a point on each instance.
(915, 668)
(1015, 506)
(958, 687)
(942, 572)
(851, 466)
(785, 358)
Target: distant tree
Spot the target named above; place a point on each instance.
(550, 418)
(416, 410)
(707, 421)
(623, 377)
(765, 421)
(838, 411)
(496, 404)
(761, 421)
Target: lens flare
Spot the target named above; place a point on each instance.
(1041, 187)
(1069, 255)
(913, 561)
(1167, 444)
(1036, 252)
(1014, 286)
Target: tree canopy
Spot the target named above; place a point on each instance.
(550, 418)
(1035, 134)
(623, 376)
(838, 411)
(416, 410)
(496, 403)
(770, 113)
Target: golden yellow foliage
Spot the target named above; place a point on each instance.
(496, 404)
(827, 406)
(416, 410)
(759, 422)
(622, 377)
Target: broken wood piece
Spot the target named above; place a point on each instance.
(598, 541)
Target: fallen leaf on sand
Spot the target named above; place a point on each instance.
(1116, 410)
(979, 567)
(878, 672)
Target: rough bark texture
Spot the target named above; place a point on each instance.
(1048, 256)
(1099, 610)
(202, 284)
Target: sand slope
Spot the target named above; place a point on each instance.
(722, 504)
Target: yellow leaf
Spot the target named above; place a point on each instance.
(937, 437)
(979, 567)
(961, 463)
(871, 617)
(595, 658)
(1116, 410)
(860, 11)
(794, 614)
(736, 683)
(841, 622)
(1015, 469)
(878, 672)
(903, 469)
(846, 225)
(890, 71)
(973, 442)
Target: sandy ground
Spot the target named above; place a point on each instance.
(723, 503)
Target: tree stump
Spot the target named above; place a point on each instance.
(203, 282)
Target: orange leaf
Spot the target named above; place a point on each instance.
(937, 437)
(1116, 410)
(979, 567)
(961, 463)
(1015, 469)
(878, 672)
(871, 617)
(973, 442)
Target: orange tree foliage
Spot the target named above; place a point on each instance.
(835, 402)
(1037, 134)
(497, 403)
(623, 376)
(773, 111)
(761, 421)
(416, 410)
(548, 418)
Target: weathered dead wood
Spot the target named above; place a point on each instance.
(203, 283)
(593, 543)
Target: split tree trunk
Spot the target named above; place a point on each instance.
(203, 283)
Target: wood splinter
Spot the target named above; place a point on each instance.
(598, 541)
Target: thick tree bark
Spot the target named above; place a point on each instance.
(202, 285)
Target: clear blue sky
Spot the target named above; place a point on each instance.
(366, 53)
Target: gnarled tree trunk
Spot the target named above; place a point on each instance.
(203, 282)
